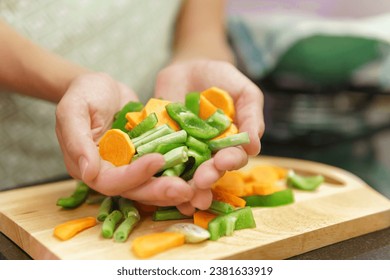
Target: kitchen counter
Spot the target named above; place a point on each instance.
(367, 157)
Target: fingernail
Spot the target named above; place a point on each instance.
(83, 164)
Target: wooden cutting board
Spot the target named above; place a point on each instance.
(342, 208)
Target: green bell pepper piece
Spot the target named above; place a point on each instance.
(120, 117)
(306, 183)
(224, 225)
(194, 160)
(282, 197)
(190, 122)
(219, 207)
(192, 102)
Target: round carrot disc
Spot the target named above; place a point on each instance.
(220, 99)
(116, 147)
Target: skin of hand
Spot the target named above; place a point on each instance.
(198, 75)
(82, 118)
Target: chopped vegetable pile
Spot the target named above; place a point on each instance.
(187, 135)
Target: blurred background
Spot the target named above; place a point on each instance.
(324, 67)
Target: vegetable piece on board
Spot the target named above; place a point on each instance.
(169, 214)
(229, 141)
(131, 218)
(192, 101)
(263, 179)
(155, 105)
(231, 130)
(69, 229)
(231, 182)
(151, 244)
(77, 198)
(192, 232)
(110, 223)
(134, 118)
(219, 120)
(206, 108)
(116, 147)
(105, 208)
(148, 123)
(172, 138)
(278, 198)
(220, 99)
(305, 183)
(202, 218)
(220, 207)
(224, 225)
(226, 197)
(190, 122)
(120, 120)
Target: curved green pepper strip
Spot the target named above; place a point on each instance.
(306, 183)
(120, 117)
(190, 122)
(77, 198)
(282, 197)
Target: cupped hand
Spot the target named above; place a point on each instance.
(83, 115)
(175, 81)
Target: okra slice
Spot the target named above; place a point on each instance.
(229, 141)
(190, 122)
(145, 125)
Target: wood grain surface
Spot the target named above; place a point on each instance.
(343, 207)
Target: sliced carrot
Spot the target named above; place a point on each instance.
(228, 198)
(151, 244)
(202, 218)
(232, 129)
(155, 105)
(220, 99)
(116, 147)
(145, 208)
(69, 229)
(206, 108)
(231, 182)
(134, 118)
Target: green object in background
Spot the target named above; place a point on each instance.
(326, 59)
(120, 117)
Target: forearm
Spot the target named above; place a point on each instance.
(31, 70)
(201, 32)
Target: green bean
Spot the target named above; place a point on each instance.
(229, 141)
(175, 137)
(175, 157)
(105, 208)
(110, 223)
(152, 134)
(169, 214)
(176, 170)
(77, 198)
(145, 125)
(126, 206)
(122, 232)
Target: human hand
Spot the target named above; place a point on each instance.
(83, 115)
(175, 81)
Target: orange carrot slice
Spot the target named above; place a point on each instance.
(202, 218)
(228, 198)
(206, 108)
(157, 106)
(69, 229)
(151, 244)
(231, 182)
(220, 99)
(134, 118)
(116, 147)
